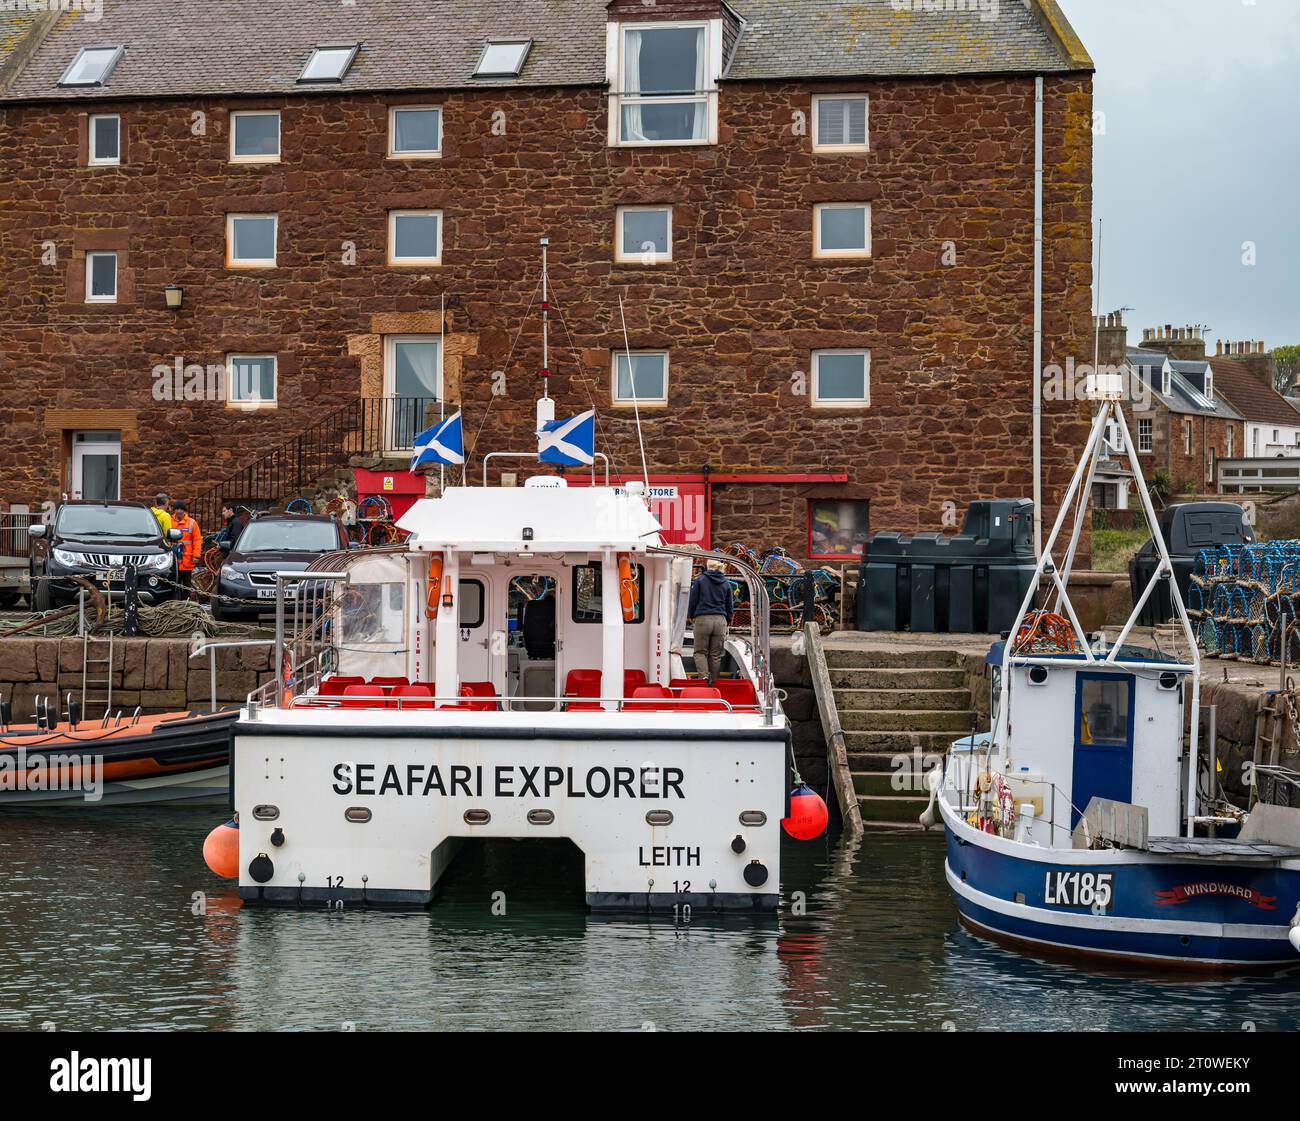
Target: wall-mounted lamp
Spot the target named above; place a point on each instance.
(173, 295)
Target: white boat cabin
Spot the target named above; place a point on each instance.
(534, 599)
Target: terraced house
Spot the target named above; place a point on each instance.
(235, 228)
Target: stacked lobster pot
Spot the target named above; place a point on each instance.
(788, 586)
(1242, 600)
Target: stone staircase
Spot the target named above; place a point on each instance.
(900, 709)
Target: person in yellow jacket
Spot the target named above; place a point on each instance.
(159, 509)
(189, 549)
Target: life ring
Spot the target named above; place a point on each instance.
(629, 593)
(435, 579)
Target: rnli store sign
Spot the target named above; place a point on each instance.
(681, 507)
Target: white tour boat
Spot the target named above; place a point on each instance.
(510, 672)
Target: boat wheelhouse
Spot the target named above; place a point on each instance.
(512, 670)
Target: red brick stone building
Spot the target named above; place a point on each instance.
(820, 218)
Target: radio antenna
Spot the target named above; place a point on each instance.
(636, 407)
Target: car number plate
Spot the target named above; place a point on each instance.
(269, 593)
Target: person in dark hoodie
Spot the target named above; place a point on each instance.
(709, 612)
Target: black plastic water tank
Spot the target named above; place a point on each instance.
(971, 583)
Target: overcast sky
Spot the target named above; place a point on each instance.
(1198, 154)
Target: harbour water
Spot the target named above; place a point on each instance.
(98, 931)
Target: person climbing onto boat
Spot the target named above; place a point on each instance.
(189, 547)
(709, 611)
(159, 510)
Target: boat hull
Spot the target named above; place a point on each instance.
(344, 816)
(176, 758)
(1124, 905)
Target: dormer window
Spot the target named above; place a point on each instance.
(1209, 384)
(91, 67)
(502, 58)
(665, 78)
(1165, 376)
(328, 64)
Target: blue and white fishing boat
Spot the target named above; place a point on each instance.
(1078, 824)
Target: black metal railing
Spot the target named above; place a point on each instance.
(365, 427)
(14, 541)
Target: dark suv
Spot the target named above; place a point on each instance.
(267, 545)
(98, 540)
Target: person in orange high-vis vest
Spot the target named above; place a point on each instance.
(190, 547)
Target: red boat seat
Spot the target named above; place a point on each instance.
(334, 686)
(702, 698)
(388, 684)
(418, 695)
(363, 696)
(582, 683)
(481, 689)
(650, 698)
(738, 691)
(632, 678)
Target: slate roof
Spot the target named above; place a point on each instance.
(1255, 400)
(1186, 385)
(177, 48)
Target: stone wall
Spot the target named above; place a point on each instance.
(944, 304)
(155, 673)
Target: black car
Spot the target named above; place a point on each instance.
(97, 541)
(270, 544)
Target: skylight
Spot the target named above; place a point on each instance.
(328, 64)
(91, 67)
(502, 58)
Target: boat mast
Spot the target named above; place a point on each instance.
(545, 406)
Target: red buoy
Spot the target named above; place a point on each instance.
(221, 850)
(808, 814)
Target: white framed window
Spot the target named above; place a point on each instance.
(841, 378)
(415, 131)
(255, 136)
(1210, 464)
(413, 383)
(643, 234)
(104, 139)
(502, 58)
(640, 378)
(1145, 433)
(1187, 437)
(1232, 440)
(1166, 378)
(251, 240)
(842, 229)
(663, 78)
(1209, 384)
(415, 237)
(251, 379)
(1275, 435)
(840, 122)
(91, 67)
(101, 278)
(329, 63)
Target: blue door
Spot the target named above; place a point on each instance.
(1103, 740)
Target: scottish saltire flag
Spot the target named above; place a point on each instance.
(571, 441)
(443, 443)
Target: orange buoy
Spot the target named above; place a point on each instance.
(434, 580)
(221, 850)
(808, 814)
(628, 590)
